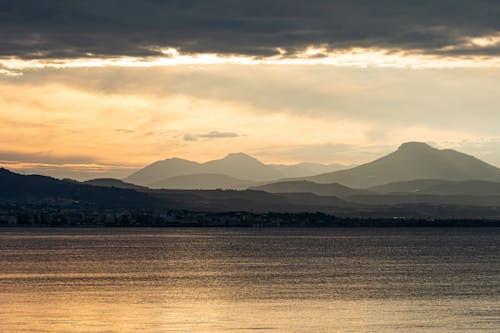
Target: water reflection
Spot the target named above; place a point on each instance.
(283, 280)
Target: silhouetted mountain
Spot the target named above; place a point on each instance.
(111, 182)
(162, 169)
(46, 190)
(202, 181)
(441, 187)
(334, 189)
(307, 169)
(239, 166)
(242, 166)
(20, 187)
(413, 160)
(253, 201)
(19, 191)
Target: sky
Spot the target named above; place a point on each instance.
(101, 88)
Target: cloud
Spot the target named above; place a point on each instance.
(71, 28)
(124, 130)
(190, 137)
(75, 111)
(61, 166)
(211, 135)
(42, 157)
(463, 99)
(73, 171)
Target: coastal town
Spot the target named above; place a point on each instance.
(15, 214)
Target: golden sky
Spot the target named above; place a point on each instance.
(114, 115)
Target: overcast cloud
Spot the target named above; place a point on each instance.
(73, 28)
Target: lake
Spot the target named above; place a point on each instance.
(250, 280)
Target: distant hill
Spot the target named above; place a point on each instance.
(242, 166)
(307, 169)
(39, 191)
(201, 181)
(162, 169)
(441, 187)
(254, 201)
(112, 182)
(239, 165)
(428, 191)
(44, 189)
(413, 160)
(334, 189)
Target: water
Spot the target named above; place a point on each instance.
(247, 280)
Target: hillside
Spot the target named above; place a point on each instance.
(242, 167)
(441, 187)
(307, 169)
(202, 181)
(239, 166)
(35, 188)
(334, 189)
(413, 160)
(112, 182)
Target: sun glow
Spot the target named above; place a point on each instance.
(486, 41)
(312, 55)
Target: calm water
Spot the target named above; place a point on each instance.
(237, 280)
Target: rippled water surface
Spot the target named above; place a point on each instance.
(246, 280)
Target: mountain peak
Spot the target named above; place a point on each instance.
(239, 156)
(414, 160)
(175, 159)
(415, 146)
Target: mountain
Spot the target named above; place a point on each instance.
(162, 169)
(43, 189)
(413, 160)
(242, 166)
(253, 201)
(20, 194)
(237, 165)
(201, 181)
(334, 189)
(112, 182)
(425, 191)
(441, 187)
(307, 169)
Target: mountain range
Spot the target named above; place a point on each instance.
(415, 180)
(235, 171)
(411, 161)
(36, 194)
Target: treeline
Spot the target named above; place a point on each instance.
(91, 217)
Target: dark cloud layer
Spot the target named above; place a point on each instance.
(74, 28)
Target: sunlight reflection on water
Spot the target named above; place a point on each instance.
(244, 280)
